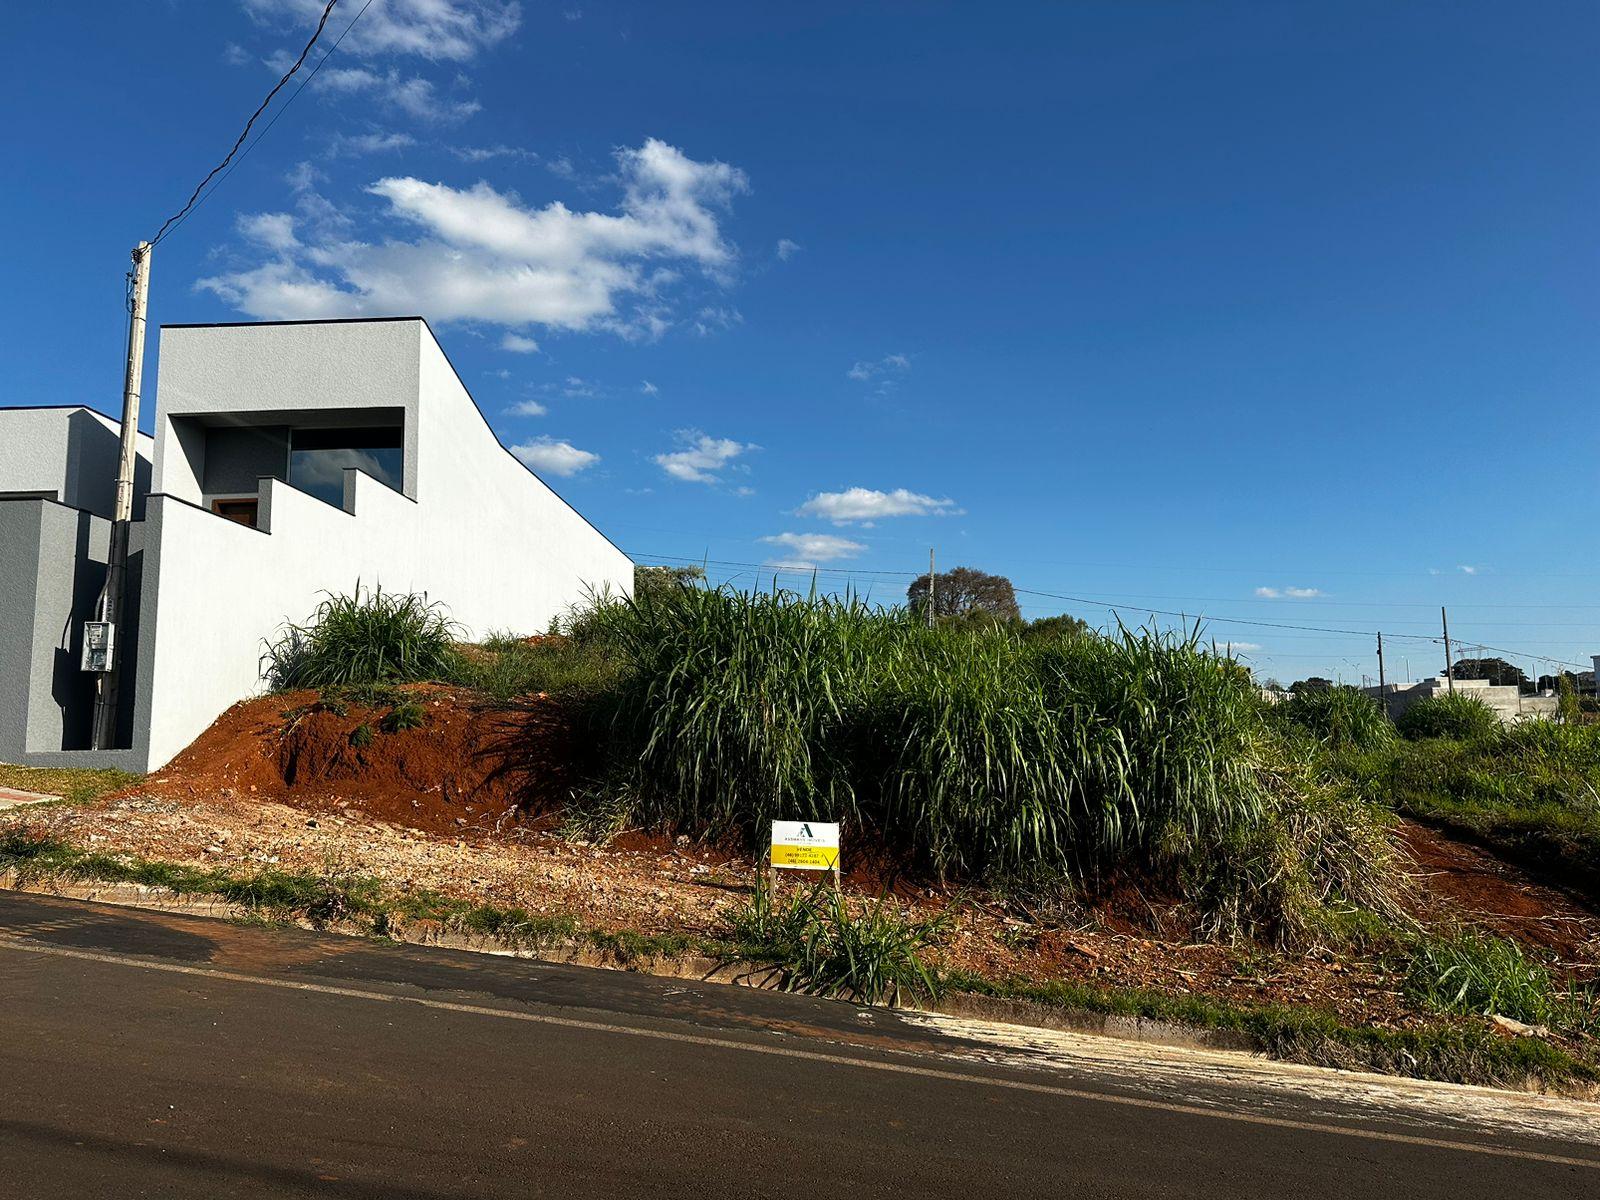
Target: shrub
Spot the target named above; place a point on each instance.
(825, 949)
(367, 637)
(1339, 717)
(1454, 715)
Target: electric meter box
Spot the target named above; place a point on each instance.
(99, 645)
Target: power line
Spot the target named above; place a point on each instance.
(884, 576)
(194, 197)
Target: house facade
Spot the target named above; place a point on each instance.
(289, 460)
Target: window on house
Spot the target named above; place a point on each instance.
(318, 458)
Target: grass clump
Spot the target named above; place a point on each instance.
(1339, 717)
(407, 714)
(1473, 973)
(1454, 715)
(365, 638)
(824, 948)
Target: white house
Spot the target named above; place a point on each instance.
(290, 459)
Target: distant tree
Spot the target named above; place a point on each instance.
(1272, 685)
(1313, 684)
(660, 582)
(1496, 670)
(1050, 628)
(964, 593)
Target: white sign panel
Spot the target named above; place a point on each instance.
(805, 845)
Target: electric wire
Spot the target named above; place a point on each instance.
(880, 576)
(225, 166)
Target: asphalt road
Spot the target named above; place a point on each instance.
(147, 1054)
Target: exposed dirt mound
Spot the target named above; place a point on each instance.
(465, 767)
(1501, 896)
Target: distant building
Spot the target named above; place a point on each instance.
(1508, 703)
(290, 459)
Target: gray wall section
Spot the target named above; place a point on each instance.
(237, 458)
(52, 566)
(68, 454)
(19, 556)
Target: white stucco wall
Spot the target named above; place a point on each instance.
(483, 534)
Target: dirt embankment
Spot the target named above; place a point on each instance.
(464, 767)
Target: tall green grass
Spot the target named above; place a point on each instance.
(505, 667)
(977, 753)
(369, 636)
(1454, 715)
(1339, 717)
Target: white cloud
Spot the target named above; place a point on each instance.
(549, 457)
(867, 505)
(408, 94)
(715, 319)
(349, 145)
(648, 388)
(1237, 647)
(1465, 569)
(527, 408)
(1290, 593)
(437, 30)
(275, 231)
(808, 549)
(235, 55)
(701, 458)
(478, 154)
(519, 344)
(481, 254)
(889, 365)
(787, 249)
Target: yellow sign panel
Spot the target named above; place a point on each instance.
(805, 858)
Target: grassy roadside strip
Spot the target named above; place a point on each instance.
(1453, 1052)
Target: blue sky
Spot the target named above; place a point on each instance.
(1276, 312)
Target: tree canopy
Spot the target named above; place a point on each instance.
(1496, 670)
(964, 593)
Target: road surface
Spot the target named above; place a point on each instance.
(154, 1054)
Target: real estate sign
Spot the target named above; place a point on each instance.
(805, 845)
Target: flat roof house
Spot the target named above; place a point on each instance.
(290, 459)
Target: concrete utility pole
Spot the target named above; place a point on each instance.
(1383, 686)
(110, 606)
(1449, 671)
(931, 578)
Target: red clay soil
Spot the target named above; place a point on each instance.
(467, 768)
(1501, 896)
